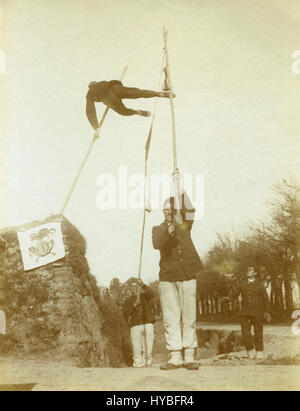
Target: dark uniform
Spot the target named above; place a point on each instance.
(255, 303)
(141, 313)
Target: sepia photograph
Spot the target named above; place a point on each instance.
(149, 198)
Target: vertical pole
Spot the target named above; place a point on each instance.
(177, 189)
(175, 167)
(87, 154)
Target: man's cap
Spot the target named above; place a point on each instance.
(132, 280)
(251, 272)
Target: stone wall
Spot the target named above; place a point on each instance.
(53, 310)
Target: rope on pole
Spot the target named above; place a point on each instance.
(87, 154)
(147, 148)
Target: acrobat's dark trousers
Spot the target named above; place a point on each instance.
(132, 92)
(258, 324)
(116, 93)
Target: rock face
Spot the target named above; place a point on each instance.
(53, 310)
(218, 342)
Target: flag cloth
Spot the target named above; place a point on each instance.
(148, 142)
(41, 245)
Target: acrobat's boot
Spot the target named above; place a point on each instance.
(143, 113)
(189, 361)
(166, 94)
(175, 361)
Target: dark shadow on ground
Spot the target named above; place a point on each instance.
(17, 387)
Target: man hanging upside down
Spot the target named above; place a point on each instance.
(111, 94)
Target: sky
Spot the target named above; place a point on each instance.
(236, 113)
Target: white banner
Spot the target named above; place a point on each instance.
(41, 245)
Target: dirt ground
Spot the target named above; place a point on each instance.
(222, 372)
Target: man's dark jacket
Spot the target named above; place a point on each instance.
(142, 313)
(255, 300)
(179, 260)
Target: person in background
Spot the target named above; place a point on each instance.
(295, 291)
(138, 312)
(279, 295)
(111, 93)
(179, 264)
(268, 286)
(255, 308)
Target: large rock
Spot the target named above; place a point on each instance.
(219, 341)
(54, 310)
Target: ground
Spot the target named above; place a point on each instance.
(221, 372)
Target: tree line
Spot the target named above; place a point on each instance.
(272, 247)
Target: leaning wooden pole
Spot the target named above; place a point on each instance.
(147, 207)
(87, 154)
(142, 246)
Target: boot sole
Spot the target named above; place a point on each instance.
(192, 366)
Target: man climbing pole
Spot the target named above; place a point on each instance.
(111, 94)
(179, 264)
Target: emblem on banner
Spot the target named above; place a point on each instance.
(44, 246)
(41, 245)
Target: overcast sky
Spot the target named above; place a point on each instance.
(237, 112)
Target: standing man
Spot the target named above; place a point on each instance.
(255, 308)
(268, 286)
(138, 312)
(179, 264)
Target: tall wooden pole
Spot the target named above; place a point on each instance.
(177, 185)
(87, 154)
(175, 166)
